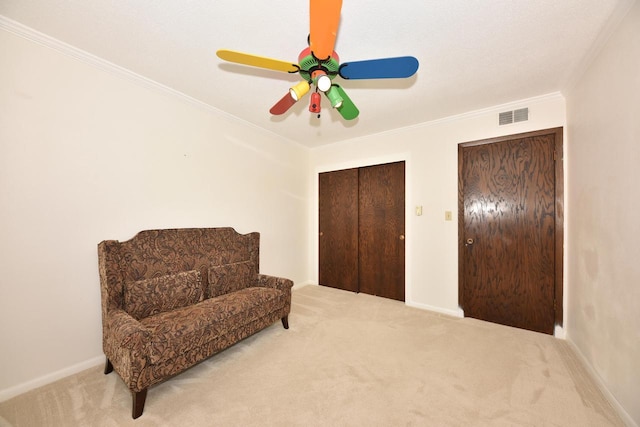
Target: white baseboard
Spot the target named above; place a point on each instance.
(301, 285)
(560, 332)
(8, 393)
(448, 312)
(602, 386)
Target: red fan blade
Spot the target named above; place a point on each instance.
(283, 105)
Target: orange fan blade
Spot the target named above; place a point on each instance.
(325, 18)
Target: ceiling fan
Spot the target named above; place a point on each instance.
(319, 64)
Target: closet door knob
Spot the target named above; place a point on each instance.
(402, 237)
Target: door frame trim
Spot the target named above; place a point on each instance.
(559, 212)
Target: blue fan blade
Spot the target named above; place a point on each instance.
(386, 68)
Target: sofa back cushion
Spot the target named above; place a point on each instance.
(227, 278)
(144, 298)
(154, 253)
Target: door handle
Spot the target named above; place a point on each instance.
(469, 242)
(402, 237)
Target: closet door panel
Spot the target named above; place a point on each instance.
(381, 213)
(338, 229)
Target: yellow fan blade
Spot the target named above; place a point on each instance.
(257, 61)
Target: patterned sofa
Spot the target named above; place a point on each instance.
(172, 298)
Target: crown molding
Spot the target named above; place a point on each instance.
(494, 109)
(610, 26)
(28, 33)
(42, 39)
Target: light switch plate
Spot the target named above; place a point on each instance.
(448, 216)
(418, 210)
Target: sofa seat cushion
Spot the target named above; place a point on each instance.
(182, 330)
(149, 297)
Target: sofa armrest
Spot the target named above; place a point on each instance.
(279, 283)
(126, 331)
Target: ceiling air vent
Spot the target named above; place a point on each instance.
(508, 117)
(521, 115)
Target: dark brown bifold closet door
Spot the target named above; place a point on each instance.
(362, 242)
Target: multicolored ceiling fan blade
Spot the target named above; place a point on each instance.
(257, 61)
(347, 110)
(318, 64)
(283, 105)
(324, 22)
(386, 68)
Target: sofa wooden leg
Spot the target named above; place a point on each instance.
(108, 367)
(285, 322)
(138, 402)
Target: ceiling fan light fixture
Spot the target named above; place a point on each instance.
(299, 90)
(323, 83)
(314, 104)
(334, 97)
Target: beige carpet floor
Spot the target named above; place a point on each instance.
(347, 360)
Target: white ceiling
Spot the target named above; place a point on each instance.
(473, 53)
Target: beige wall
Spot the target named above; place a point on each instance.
(86, 155)
(603, 114)
(431, 155)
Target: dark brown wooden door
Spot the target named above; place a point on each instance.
(361, 230)
(381, 218)
(338, 218)
(509, 229)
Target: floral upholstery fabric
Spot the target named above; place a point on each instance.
(146, 297)
(183, 330)
(230, 277)
(145, 346)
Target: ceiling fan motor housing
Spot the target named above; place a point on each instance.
(311, 67)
